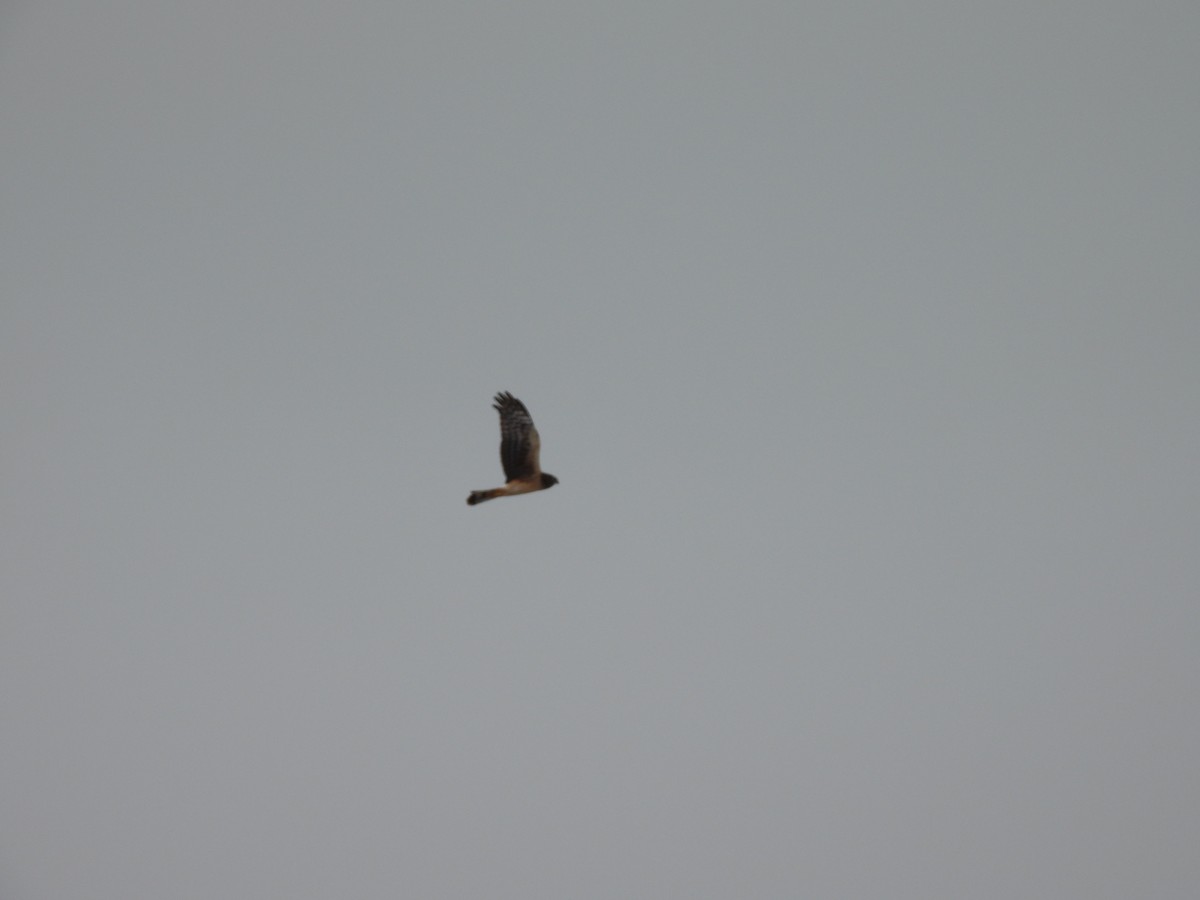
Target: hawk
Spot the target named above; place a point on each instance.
(519, 448)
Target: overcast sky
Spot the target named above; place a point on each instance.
(863, 337)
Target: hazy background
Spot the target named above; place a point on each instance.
(863, 338)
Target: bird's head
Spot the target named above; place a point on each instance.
(548, 480)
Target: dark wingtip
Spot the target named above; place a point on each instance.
(506, 399)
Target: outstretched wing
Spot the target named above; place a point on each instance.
(519, 441)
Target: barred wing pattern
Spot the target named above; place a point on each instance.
(520, 444)
(520, 451)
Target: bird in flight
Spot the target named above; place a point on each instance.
(519, 448)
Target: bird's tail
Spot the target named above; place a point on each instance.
(480, 496)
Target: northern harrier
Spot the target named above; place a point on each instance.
(519, 447)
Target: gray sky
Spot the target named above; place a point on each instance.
(863, 338)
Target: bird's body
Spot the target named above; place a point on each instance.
(520, 449)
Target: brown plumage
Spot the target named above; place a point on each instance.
(520, 447)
